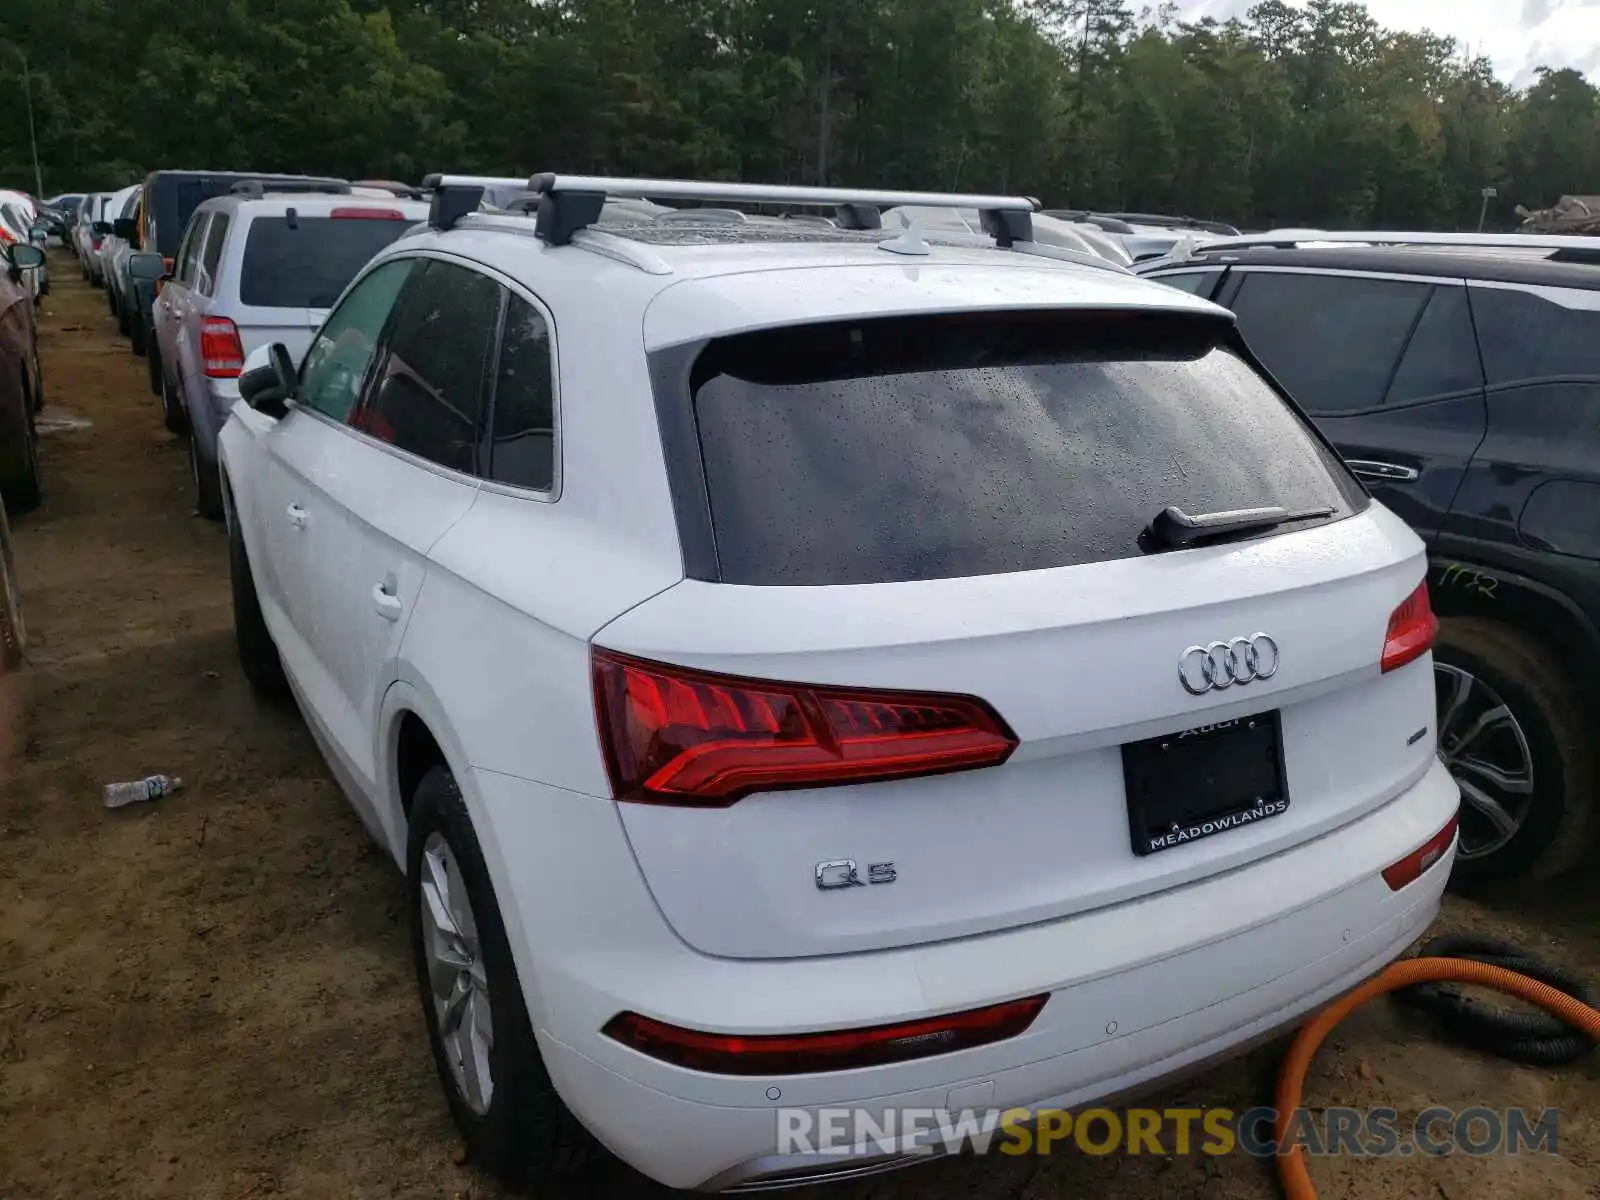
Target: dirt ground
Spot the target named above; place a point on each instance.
(210, 996)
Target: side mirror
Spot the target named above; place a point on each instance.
(40, 233)
(24, 256)
(269, 380)
(102, 228)
(146, 266)
(126, 228)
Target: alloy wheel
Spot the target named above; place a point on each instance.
(456, 974)
(1486, 749)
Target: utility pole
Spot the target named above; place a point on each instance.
(1489, 194)
(33, 141)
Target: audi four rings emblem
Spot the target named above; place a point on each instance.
(1218, 665)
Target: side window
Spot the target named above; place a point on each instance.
(211, 254)
(1197, 283)
(1526, 336)
(427, 394)
(1442, 357)
(189, 251)
(1331, 340)
(335, 366)
(522, 437)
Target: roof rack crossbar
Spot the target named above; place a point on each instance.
(572, 201)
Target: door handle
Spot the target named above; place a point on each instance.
(1382, 472)
(298, 517)
(384, 602)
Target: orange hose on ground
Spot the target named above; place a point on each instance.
(1292, 1168)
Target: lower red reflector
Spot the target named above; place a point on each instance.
(808, 1053)
(1410, 868)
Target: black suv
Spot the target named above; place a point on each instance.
(1462, 385)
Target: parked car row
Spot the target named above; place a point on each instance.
(804, 659)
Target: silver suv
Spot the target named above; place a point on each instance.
(254, 268)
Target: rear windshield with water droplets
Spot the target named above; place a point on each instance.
(919, 448)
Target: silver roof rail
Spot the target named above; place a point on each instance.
(1291, 239)
(568, 203)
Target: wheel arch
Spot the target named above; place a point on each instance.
(409, 712)
(1462, 588)
(414, 735)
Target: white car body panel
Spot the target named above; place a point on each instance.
(1014, 880)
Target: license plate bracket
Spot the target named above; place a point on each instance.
(1200, 782)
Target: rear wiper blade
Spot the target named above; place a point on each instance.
(1174, 529)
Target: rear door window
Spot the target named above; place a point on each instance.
(427, 394)
(1442, 356)
(1331, 340)
(211, 255)
(926, 448)
(189, 251)
(307, 261)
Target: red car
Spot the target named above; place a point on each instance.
(21, 385)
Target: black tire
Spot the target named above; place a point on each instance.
(207, 485)
(22, 492)
(112, 306)
(152, 359)
(123, 322)
(526, 1134)
(1555, 824)
(173, 415)
(136, 332)
(258, 654)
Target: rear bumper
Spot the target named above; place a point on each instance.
(1139, 991)
(209, 402)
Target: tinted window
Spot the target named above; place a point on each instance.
(306, 263)
(211, 256)
(336, 364)
(428, 391)
(1331, 340)
(1442, 356)
(1525, 336)
(926, 448)
(1197, 283)
(189, 252)
(523, 442)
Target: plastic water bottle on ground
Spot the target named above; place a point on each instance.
(137, 791)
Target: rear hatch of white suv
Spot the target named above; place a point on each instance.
(294, 264)
(941, 665)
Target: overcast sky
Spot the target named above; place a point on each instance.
(1517, 35)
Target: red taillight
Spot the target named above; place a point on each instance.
(1410, 868)
(805, 1053)
(367, 214)
(167, 263)
(677, 736)
(96, 239)
(1412, 630)
(220, 348)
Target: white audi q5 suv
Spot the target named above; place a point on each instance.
(798, 664)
